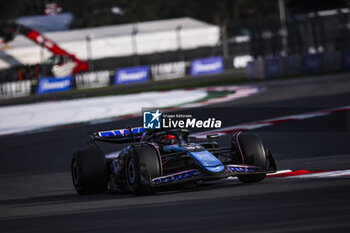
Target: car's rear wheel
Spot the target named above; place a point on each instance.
(252, 151)
(88, 170)
(142, 165)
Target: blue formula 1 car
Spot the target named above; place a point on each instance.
(157, 158)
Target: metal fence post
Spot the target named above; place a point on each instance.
(226, 52)
(179, 43)
(134, 45)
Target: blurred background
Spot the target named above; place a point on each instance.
(91, 42)
(278, 68)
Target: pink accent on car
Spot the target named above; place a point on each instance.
(239, 146)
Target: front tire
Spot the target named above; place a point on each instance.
(142, 165)
(88, 170)
(253, 153)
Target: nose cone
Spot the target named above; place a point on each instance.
(208, 161)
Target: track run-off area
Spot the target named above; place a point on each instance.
(48, 115)
(305, 122)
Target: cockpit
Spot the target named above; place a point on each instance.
(168, 137)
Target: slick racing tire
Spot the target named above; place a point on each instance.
(89, 173)
(253, 153)
(142, 165)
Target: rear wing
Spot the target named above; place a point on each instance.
(119, 135)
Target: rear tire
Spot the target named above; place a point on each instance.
(254, 154)
(89, 173)
(142, 165)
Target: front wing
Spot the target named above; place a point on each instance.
(198, 174)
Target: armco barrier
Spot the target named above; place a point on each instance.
(15, 89)
(347, 59)
(92, 79)
(169, 70)
(274, 67)
(313, 63)
(48, 85)
(256, 69)
(131, 75)
(332, 61)
(293, 64)
(211, 65)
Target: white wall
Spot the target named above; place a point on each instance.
(104, 44)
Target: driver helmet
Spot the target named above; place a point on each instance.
(168, 139)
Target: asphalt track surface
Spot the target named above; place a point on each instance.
(36, 193)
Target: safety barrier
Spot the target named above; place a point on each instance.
(297, 64)
(15, 89)
(271, 67)
(49, 85)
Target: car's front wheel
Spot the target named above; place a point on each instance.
(142, 165)
(252, 151)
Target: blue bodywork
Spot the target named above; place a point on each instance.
(199, 164)
(121, 132)
(208, 161)
(204, 158)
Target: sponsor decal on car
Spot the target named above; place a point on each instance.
(242, 168)
(176, 177)
(206, 158)
(121, 132)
